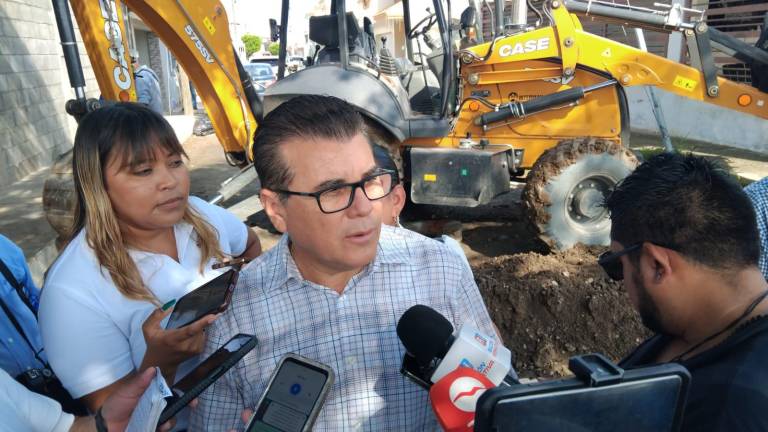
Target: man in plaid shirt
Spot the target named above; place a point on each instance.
(758, 194)
(336, 284)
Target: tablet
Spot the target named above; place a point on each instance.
(648, 399)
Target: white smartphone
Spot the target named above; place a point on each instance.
(294, 396)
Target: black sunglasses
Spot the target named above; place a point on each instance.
(611, 263)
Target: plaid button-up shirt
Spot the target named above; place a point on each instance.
(353, 332)
(758, 193)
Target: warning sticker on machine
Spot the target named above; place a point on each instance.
(209, 25)
(684, 83)
(430, 177)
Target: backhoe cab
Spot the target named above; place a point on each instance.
(404, 97)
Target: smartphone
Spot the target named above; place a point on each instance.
(294, 396)
(211, 298)
(206, 373)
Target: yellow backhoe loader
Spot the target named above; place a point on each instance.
(541, 104)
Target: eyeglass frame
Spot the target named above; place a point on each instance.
(607, 258)
(358, 184)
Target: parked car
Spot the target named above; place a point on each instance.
(272, 61)
(261, 74)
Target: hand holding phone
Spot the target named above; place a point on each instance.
(294, 396)
(168, 348)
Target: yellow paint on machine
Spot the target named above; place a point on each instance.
(430, 177)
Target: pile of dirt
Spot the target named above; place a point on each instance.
(551, 307)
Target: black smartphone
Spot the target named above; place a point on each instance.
(294, 396)
(206, 373)
(211, 298)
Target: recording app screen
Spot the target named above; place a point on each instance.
(290, 399)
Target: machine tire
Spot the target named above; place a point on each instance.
(564, 190)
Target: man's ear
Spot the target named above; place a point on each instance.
(398, 200)
(657, 263)
(274, 208)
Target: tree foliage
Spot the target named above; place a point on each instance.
(252, 44)
(274, 48)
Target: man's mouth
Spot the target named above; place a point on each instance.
(361, 236)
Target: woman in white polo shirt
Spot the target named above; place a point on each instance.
(139, 240)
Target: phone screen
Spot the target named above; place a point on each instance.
(209, 298)
(290, 398)
(208, 365)
(206, 373)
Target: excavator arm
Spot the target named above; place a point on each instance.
(197, 34)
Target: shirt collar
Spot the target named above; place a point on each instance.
(182, 232)
(391, 249)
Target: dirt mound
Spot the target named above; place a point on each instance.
(551, 307)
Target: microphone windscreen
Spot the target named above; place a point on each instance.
(425, 333)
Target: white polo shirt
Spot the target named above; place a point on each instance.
(91, 332)
(23, 410)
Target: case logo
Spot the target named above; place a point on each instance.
(120, 73)
(524, 47)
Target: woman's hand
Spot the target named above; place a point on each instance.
(166, 349)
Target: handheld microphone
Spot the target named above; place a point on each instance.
(454, 398)
(434, 351)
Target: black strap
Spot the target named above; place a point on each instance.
(16, 324)
(101, 425)
(17, 286)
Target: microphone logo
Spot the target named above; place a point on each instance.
(465, 391)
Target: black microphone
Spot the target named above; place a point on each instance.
(434, 350)
(427, 336)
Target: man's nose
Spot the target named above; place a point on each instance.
(361, 205)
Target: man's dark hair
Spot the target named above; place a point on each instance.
(303, 117)
(688, 204)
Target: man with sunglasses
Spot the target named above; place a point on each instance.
(338, 281)
(685, 242)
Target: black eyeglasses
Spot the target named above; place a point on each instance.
(339, 197)
(611, 263)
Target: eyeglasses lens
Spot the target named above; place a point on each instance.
(374, 187)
